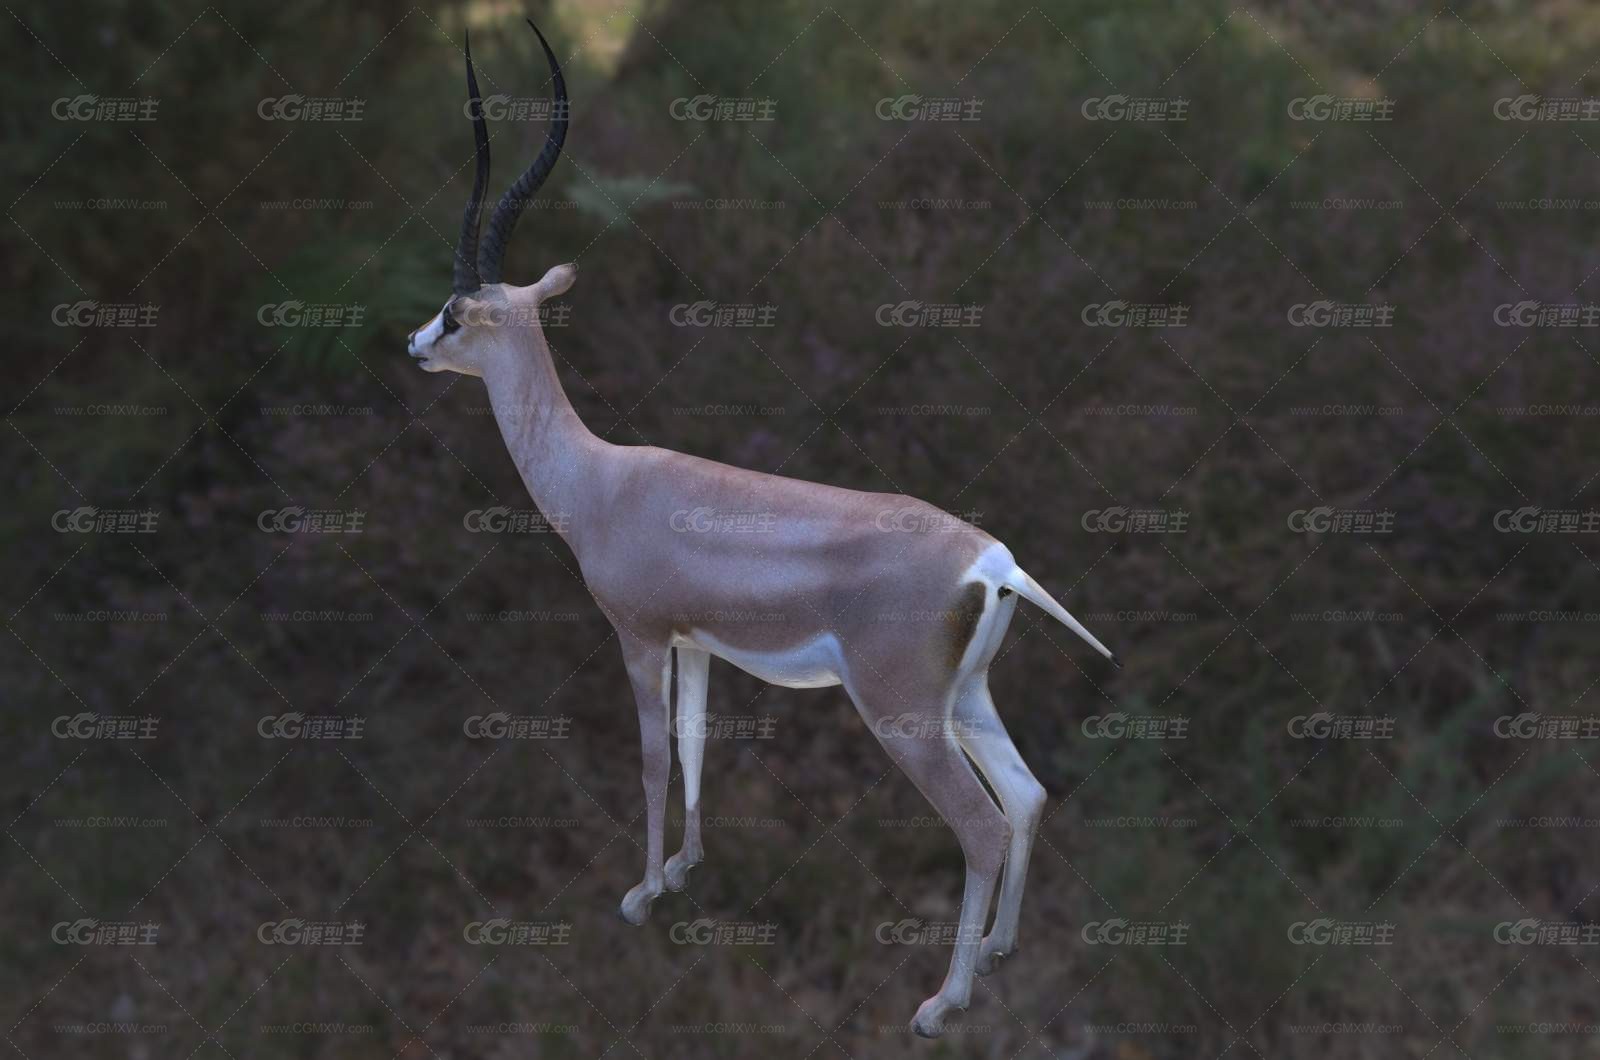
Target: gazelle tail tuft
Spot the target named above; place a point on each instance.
(1019, 580)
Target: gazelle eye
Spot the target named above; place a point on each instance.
(450, 322)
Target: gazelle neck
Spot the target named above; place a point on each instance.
(553, 451)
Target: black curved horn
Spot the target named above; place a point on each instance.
(465, 278)
(520, 194)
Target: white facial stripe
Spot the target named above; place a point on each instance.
(431, 332)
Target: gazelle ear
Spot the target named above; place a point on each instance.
(557, 281)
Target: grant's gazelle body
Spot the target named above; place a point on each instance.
(800, 584)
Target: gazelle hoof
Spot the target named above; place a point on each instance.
(677, 871)
(989, 957)
(929, 1020)
(635, 908)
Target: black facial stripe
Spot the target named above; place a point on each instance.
(449, 320)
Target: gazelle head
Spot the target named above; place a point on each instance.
(460, 335)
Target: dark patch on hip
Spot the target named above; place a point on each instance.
(963, 620)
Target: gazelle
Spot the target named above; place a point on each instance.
(903, 605)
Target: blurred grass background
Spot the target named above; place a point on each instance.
(1206, 620)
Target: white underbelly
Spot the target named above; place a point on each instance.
(814, 664)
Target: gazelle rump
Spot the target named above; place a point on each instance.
(800, 584)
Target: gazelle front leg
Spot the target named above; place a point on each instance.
(650, 668)
(693, 665)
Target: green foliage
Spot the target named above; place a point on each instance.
(610, 199)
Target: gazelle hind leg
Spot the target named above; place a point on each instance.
(984, 738)
(649, 669)
(693, 665)
(934, 762)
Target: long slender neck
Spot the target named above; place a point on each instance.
(554, 452)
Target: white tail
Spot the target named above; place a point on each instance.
(1019, 580)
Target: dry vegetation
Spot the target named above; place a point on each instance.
(820, 838)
